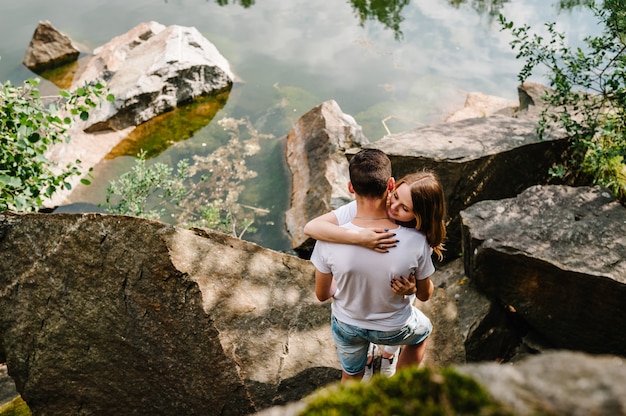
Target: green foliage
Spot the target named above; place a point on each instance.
(29, 126)
(588, 100)
(218, 217)
(129, 194)
(411, 391)
(159, 185)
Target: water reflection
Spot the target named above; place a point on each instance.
(570, 4)
(491, 8)
(61, 77)
(387, 12)
(159, 133)
(244, 3)
(392, 65)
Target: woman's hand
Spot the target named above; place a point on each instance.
(403, 285)
(377, 239)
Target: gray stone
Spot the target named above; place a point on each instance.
(104, 314)
(478, 105)
(467, 326)
(315, 155)
(478, 158)
(475, 159)
(7, 387)
(151, 70)
(557, 383)
(49, 48)
(556, 256)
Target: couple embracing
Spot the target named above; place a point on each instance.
(373, 257)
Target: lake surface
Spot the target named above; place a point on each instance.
(293, 55)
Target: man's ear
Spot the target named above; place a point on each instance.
(392, 184)
(350, 188)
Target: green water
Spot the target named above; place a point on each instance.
(411, 65)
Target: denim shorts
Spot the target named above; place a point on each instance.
(352, 342)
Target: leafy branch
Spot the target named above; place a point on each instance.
(209, 202)
(588, 96)
(29, 126)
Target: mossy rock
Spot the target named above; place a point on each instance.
(425, 392)
(16, 407)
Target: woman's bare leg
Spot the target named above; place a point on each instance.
(412, 354)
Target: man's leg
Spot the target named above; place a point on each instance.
(412, 354)
(351, 349)
(345, 377)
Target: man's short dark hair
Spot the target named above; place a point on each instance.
(370, 170)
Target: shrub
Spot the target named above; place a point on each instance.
(29, 126)
(166, 190)
(588, 99)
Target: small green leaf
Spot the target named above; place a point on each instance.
(10, 181)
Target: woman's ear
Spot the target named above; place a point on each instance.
(391, 185)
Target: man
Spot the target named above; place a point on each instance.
(365, 310)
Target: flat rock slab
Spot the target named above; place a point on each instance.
(556, 383)
(555, 255)
(475, 159)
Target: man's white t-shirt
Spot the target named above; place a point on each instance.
(345, 213)
(364, 297)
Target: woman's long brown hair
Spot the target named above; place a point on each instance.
(429, 205)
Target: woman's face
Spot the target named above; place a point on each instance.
(400, 204)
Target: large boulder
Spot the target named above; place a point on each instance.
(556, 257)
(556, 383)
(478, 104)
(103, 314)
(49, 48)
(478, 158)
(150, 70)
(467, 325)
(315, 155)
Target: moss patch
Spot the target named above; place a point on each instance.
(411, 391)
(16, 407)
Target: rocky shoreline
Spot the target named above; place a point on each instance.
(169, 320)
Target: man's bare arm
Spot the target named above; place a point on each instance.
(325, 285)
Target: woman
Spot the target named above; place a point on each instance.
(417, 201)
